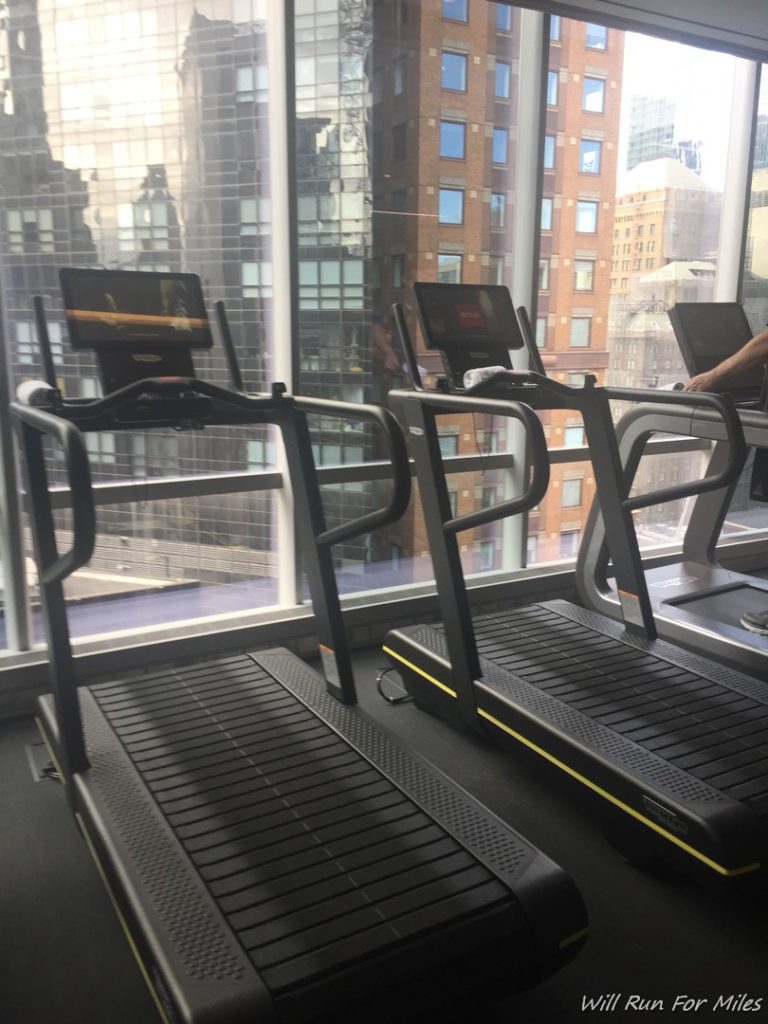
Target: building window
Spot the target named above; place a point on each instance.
(30, 230)
(569, 543)
(398, 271)
(593, 95)
(596, 37)
(570, 496)
(399, 141)
(586, 216)
(500, 147)
(574, 438)
(552, 83)
(554, 28)
(256, 280)
(502, 80)
(590, 153)
(546, 214)
(259, 454)
(255, 216)
(329, 284)
(453, 71)
(495, 270)
(541, 332)
(581, 328)
(398, 76)
(399, 201)
(577, 380)
(455, 10)
(487, 555)
(101, 448)
(449, 444)
(450, 208)
(251, 83)
(549, 152)
(503, 18)
(452, 139)
(543, 275)
(449, 268)
(498, 204)
(583, 275)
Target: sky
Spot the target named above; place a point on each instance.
(700, 82)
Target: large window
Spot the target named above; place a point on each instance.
(449, 268)
(552, 88)
(388, 189)
(452, 135)
(455, 10)
(590, 153)
(583, 275)
(502, 79)
(453, 73)
(586, 215)
(500, 145)
(451, 206)
(593, 95)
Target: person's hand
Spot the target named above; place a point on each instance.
(702, 382)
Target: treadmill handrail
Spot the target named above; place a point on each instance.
(401, 473)
(398, 314)
(729, 417)
(536, 448)
(78, 471)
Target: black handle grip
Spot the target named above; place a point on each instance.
(79, 476)
(737, 446)
(401, 475)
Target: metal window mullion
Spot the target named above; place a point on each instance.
(280, 70)
(734, 211)
(15, 597)
(531, 113)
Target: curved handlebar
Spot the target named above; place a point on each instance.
(737, 449)
(401, 475)
(536, 449)
(79, 477)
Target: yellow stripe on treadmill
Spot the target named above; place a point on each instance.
(730, 872)
(121, 918)
(419, 671)
(576, 937)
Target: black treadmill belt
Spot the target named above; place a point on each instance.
(714, 733)
(311, 854)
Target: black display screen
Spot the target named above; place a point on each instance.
(130, 309)
(466, 315)
(708, 333)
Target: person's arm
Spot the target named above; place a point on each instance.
(752, 354)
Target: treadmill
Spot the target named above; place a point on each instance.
(672, 747)
(697, 602)
(272, 854)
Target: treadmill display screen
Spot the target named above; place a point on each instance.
(465, 315)
(129, 309)
(707, 333)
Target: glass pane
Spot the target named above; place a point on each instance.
(638, 195)
(154, 148)
(452, 139)
(454, 71)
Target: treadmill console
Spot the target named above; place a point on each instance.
(139, 323)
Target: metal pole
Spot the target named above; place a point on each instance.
(280, 61)
(17, 625)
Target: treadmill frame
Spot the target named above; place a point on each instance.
(674, 585)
